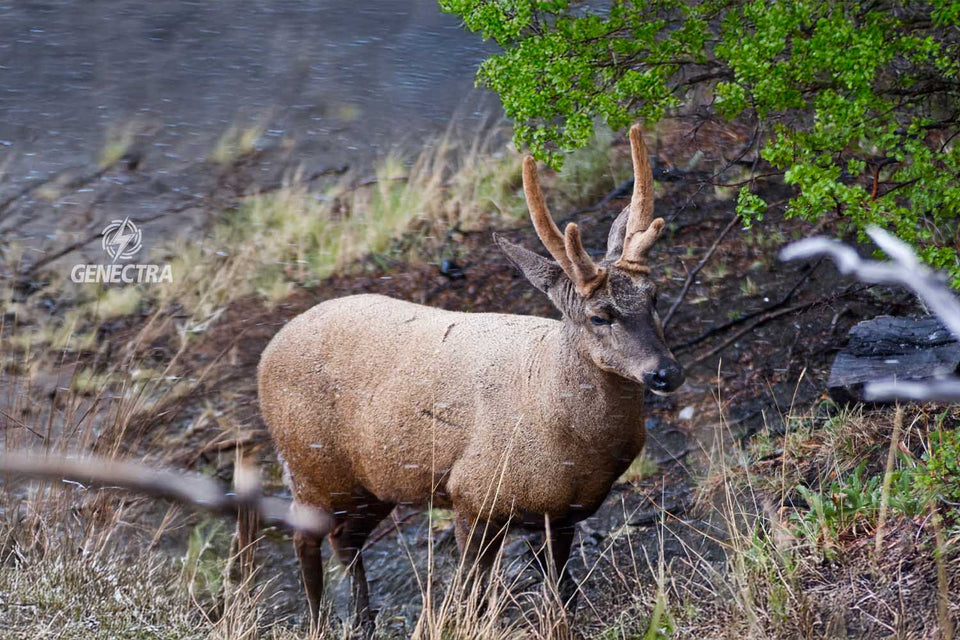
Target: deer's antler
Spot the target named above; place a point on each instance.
(642, 230)
(567, 248)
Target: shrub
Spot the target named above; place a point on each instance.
(855, 104)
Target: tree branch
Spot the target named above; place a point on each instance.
(765, 318)
(693, 272)
(929, 391)
(686, 344)
(904, 269)
(199, 492)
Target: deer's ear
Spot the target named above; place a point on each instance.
(616, 236)
(542, 273)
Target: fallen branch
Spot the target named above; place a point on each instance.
(71, 185)
(693, 272)
(30, 188)
(320, 173)
(56, 255)
(904, 269)
(199, 492)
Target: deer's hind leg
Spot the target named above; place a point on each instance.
(311, 571)
(347, 540)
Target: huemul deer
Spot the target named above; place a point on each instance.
(374, 402)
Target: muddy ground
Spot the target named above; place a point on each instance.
(756, 338)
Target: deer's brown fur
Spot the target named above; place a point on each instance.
(375, 402)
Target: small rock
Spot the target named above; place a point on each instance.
(451, 269)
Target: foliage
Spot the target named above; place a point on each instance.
(938, 478)
(855, 103)
(850, 504)
(845, 506)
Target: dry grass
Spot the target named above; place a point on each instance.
(74, 562)
(77, 562)
(238, 141)
(808, 552)
(118, 141)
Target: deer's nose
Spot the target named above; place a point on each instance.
(665, 378)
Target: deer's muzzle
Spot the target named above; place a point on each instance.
(666, 378)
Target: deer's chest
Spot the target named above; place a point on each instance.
(558, 471)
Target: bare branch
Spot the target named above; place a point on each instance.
(764, 318)
(927, 391)
(905, 269)
(693, 272)
(196, 491)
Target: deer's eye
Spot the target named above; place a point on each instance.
(600, 321)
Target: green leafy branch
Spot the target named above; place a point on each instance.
(859, 101)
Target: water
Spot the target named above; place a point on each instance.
(342, 80)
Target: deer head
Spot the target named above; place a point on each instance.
(611, 305)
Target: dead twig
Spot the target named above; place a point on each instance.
(888, 479)
(199, 492)
(767, 317)
(233, 443)
(784, 299)
(693, 272)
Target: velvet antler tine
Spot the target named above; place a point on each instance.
(642, 230)
(642, 243)
(641, 204)
(546, 228)
(587, 276)
(567, 249)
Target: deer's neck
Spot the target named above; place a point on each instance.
(574, 394)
